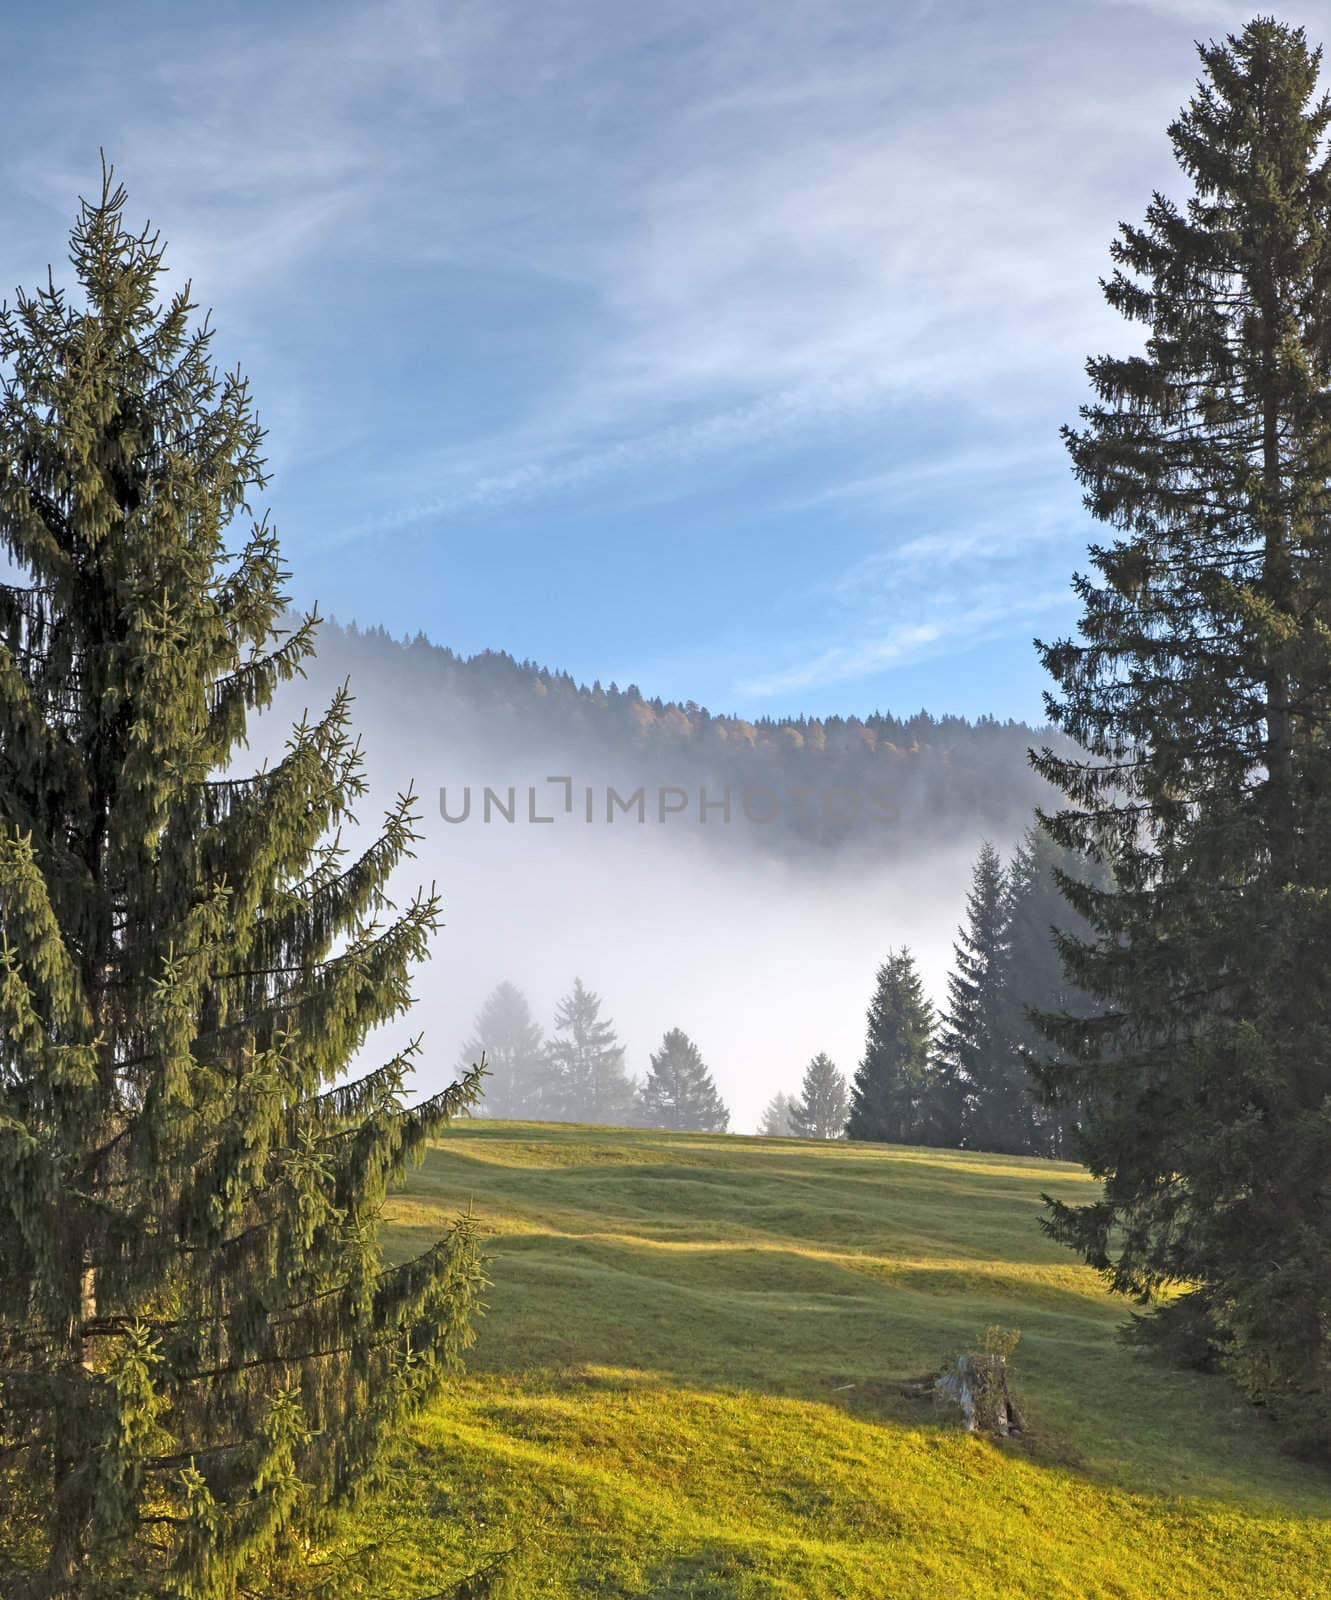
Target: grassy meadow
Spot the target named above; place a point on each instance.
(689, 1384)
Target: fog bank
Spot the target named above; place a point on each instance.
(698, 924)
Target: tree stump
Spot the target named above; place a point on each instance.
(978, 1384)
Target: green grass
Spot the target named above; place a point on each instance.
(688, 1384)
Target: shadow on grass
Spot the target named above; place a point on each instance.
(803, 1272)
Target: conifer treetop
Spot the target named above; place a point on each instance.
(679, 1091)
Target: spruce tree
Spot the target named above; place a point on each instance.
(776, 1119)
(1003, 1112)
(516, 1080)
(201, 1349)
(820, 1111)
(1200, 688)
(1034, 981)
(970, 1043)
(586, 1065)
(679, 1092)
(890, 1097)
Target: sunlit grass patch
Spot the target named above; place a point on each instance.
(690, 1383)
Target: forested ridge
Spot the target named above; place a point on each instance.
(880, 780)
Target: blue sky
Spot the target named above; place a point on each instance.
(721, 347)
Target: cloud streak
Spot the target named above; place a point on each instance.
(485, 265)
(948, 589)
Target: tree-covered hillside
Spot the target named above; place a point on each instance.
(881, 782)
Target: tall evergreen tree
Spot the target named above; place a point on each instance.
(1003, 1111)
(776, 1119)
(820, 1111)
(201, 1347)
(890, 1097)
(586, 1064)
(1034, 980)
(679, 1091)
(1201, 688)
(517, 1078)
(970, 1045)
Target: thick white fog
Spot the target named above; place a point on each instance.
(763, 964)
(762, 961)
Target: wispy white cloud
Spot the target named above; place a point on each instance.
(768, 219)
(950, 588)
(751, 260)
(763, 423)
(923, 475)
(729, 235)
(949, 626)
(1217, 13)
(267, 150)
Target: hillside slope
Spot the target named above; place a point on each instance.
(879, 784)
(688, 1385)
